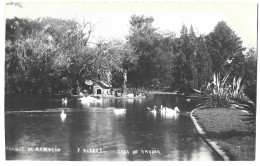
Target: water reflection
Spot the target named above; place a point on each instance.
(63, 116)
(169, 115)
(116, 126)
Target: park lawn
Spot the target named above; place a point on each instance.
(226, 128)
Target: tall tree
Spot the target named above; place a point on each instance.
(46, 52)
(203, 63)
(146, 44)
(186, 48)
(29, 63)
(71, 41)
(224, 45)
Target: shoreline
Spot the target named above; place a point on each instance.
(119, 97)
(225, 132)
(213, 145)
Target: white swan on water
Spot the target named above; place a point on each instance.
(176, 109)
(168, 113)
(162, 109)
(88, 99)
(63, 115)
(64, 100)
(166, 109)
(152, 110)
(119, 111)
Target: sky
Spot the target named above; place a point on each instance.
(112, 18)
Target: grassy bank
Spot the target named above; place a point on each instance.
(229, 131)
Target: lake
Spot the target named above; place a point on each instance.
(107, 129)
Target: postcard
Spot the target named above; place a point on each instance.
(130, 81)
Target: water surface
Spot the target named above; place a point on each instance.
(102, 130)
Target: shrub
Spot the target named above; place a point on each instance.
(218, 101)
(219, 93)
(236, 90)
(137, 91)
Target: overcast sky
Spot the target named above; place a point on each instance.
(113, 18)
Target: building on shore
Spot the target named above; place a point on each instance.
(101, 88)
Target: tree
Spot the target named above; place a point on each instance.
(29, 63)
(17, 28)
(250, 76)
(203, 63)
(47, 53)
(223, 45)
(192, 65)
(167, 52)
(180, 74)
(187, 44)
(146, 43)
(185, 62)
(71, 41)
(127, 62)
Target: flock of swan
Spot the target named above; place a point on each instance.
(165, 112)
(119, 111)
(89, 99)
(164, 109)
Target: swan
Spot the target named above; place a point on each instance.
(64, 100)
(152, 110)
(88, 99)
(63, 115)
(168, 109)
(119, 111)
(169, 113)
(176, 109)
(162, 109)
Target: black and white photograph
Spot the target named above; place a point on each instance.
(130, 81)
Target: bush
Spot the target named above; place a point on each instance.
(236, 90)
(219, 93)
(218, 101)
(137, 91)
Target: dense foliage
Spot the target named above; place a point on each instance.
(54, 55)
